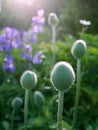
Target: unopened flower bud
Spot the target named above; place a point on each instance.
(53, 19)
(28, 79)
(78, 49)
(39, 99)
(62, 76)
(16, 103)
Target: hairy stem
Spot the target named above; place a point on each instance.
(60, 110)
(77, 92)
(53, 42)
(26, 108)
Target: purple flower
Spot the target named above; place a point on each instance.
(33, 38)
(16, 44)
(38, 58)
(40, 12)
(10, 39)
(5, 44)
(38, 22)
(7, 48)
(8, 64)
(38, 29)
(8, 32)
(26, 56)
(28, 47)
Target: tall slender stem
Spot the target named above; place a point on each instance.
(53, 42)
(77, 92)
(60, 110)
(12, 119)
(26, 108)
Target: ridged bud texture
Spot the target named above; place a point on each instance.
(28, 79)
(62, 76)
(78, 49)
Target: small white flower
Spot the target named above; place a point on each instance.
(84, 22)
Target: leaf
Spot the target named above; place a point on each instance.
(5, 125)
(96, 128)
(89, 127)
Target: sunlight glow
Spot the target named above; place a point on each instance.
(24, 2)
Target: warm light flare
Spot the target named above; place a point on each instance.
(24, 2)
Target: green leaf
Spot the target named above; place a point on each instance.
(5, 125)
(89, 127)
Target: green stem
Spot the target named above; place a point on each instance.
(26, 108)
(60, 110)
(12, 119)
(77, 92)
(53, 42)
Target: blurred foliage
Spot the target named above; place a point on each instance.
(45, 117)
(18, 14)
(76, 10)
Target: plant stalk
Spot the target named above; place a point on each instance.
(12, 119)
(60, 110)
(26, 108)
(53, 42)
(77, 92)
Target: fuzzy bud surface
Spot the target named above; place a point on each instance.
(62, 76)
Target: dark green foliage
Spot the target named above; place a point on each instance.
(45, 119)
(76, 10)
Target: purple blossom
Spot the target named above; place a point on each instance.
(8, 64)
(38, 22)
(28, 48)
(38, 58)
(16, 44)
(40, 12)
(33, 38)
(26, 56)
(5, 44)
(9, 39)
(38, 29)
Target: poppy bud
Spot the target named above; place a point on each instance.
(78, 49)
(39, 99)
(16, 103)
(62, 76)
(28, 79)
(53, 19)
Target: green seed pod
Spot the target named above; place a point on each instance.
(62, 76)
(78, 49)
(53, 19)
(16, 103)
(28, 79)
(39, 99)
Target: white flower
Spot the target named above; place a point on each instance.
(84, 22)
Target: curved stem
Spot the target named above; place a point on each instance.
(26, 108)
(60, 110)
(53, 42)
(77, 92)
(12, 119)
